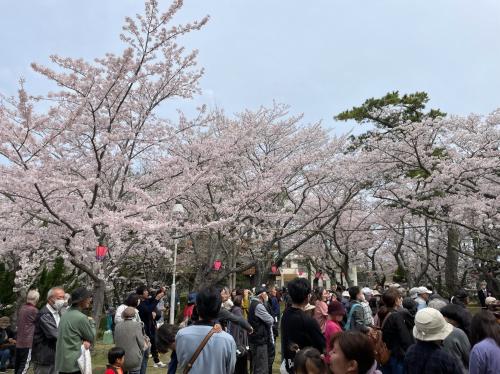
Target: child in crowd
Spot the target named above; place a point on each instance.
(309, 361)
(116, 359)
(165, 341)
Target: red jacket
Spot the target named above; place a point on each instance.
(26, 325)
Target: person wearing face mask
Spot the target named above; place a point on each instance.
(47, 320)
(262, 340)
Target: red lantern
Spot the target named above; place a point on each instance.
(217, 265)
(100, 252)
(274, 269)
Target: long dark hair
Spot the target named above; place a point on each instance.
(484, 325)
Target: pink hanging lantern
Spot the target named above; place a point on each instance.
(274, 269)
(100, 252)
(217, 265)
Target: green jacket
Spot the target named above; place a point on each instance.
(74, 328)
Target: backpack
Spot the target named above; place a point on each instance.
(382, 353)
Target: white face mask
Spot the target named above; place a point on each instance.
(59, 304)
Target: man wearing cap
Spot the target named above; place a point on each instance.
(483, 293)
(427, 355)
(262, 340)
(422, 297)
(75, 329)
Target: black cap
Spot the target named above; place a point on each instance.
(79, 295)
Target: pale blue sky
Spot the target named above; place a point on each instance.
(320, 58)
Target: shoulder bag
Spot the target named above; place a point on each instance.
(216, 329)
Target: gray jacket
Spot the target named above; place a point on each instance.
(44, 338)
(457, 343)
(226, 316)
(129, 336)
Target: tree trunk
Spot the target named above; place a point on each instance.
(262, 273)
(451, 265)
(98, 301)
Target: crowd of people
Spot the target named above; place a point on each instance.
(358, 330)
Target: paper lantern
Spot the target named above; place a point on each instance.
(217, 265)
(274, 269)
(100, 252)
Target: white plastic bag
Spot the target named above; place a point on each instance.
(84, 361)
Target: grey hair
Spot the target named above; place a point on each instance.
(33, 296)
(51, 291)
(437, 304)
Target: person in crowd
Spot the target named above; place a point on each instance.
(396, 333)
(240, 337)
(297, 328)
(219, 353)
(188, 309)
(147, 313)
(437, 303)
(25, 329)
(367, 295)
(434, 295)
(47, 321)
(483, 293)
(346, 299)
(352, 352)
(457, 316)
(165, 341)
(336, 313)
(274, 302)
(245, 304)
(427, 355)
(130, 336)
(116, 360)
(485, 338)
(457, 343)
(225, 294)
(309, 361)
(413, 292)
(262, 340)
(75, 329)
(423, 294)
(133, 300)
(7, 344)
(461, 298)
(374, 303)
(356, 316)
(409, 310)
(321, 307)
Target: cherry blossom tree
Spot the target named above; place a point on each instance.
(96, 168)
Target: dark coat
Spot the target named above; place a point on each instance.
(482, 295)
(397, 333)
(45, 338)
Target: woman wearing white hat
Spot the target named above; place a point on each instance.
(427, 356)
